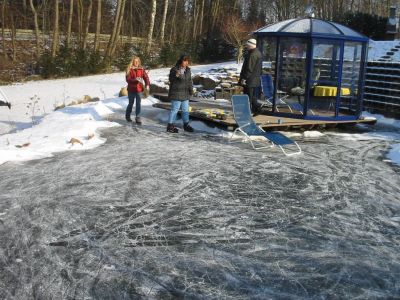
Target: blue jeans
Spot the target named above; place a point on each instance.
(132, 96)
(175, 105)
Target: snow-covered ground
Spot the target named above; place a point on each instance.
(377, 49)
(32, 129)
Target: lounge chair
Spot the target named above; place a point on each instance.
(267, 87)
(247, 128)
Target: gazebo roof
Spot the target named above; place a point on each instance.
(313, 28)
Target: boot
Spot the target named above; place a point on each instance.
(138, 121)
(128, 119)
(187, 127)
(171, 128)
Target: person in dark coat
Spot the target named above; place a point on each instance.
(180, 90)
(250, 74)
(3, 100)
(2, 103)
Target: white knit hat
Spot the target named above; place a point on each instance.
(252, 42)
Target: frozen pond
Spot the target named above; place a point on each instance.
(151, 215)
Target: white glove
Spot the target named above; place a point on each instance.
(243, 82)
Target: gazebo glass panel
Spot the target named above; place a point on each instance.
(269, 60)
(301, 26)
(348, 32)
(320, 26)
(350, 78)
(275, 27)
(292, 75)
(324, 87)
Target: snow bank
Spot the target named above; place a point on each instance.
(377, 49)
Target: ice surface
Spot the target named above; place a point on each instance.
(150, 215)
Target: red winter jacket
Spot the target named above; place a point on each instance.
(133, 83)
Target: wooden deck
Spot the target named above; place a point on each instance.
(200, 110)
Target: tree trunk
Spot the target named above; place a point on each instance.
(164, 18)
(114, 35)
(173, 25)
(98, 27)
(201, 18)
(35, 18)
(121, 18)
(110, 41)
(54, 47)
(13, 37)
(3, 33)
(195, 18)
(88, 15)
(152, 18)
(80, 21)
(71, 12)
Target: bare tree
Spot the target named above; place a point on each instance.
(201, 18)
(35, 18)
(235, 32)
(13, 32)
(98, 26)
(152, 18)
(3, 33)
(164, 18)
(54, 46)
(71, 12)
(80, 20)
(88, 15)
(121, 18)
(116, 29)
(173, 25)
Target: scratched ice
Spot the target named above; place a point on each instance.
(154, 216)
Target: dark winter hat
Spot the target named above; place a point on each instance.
(182, 58)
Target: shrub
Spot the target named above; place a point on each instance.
(372, 26)
(75, 62)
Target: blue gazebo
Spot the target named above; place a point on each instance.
(318, 65)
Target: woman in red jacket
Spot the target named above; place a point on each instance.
(137, 79)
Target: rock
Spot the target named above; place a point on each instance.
(206, 82)
(123, 92)
(95, 99)
(155, 89)
(59, 106)
(23, 145)
(75, 141)
(86, 99)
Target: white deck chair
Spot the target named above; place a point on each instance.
(247, 128)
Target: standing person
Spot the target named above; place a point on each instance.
(180, 90)
(250, 74)
(137, 78)
(3, 100)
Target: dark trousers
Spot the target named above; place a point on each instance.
(2, 103)
(254, 95)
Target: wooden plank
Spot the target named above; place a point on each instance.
(266, 122)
